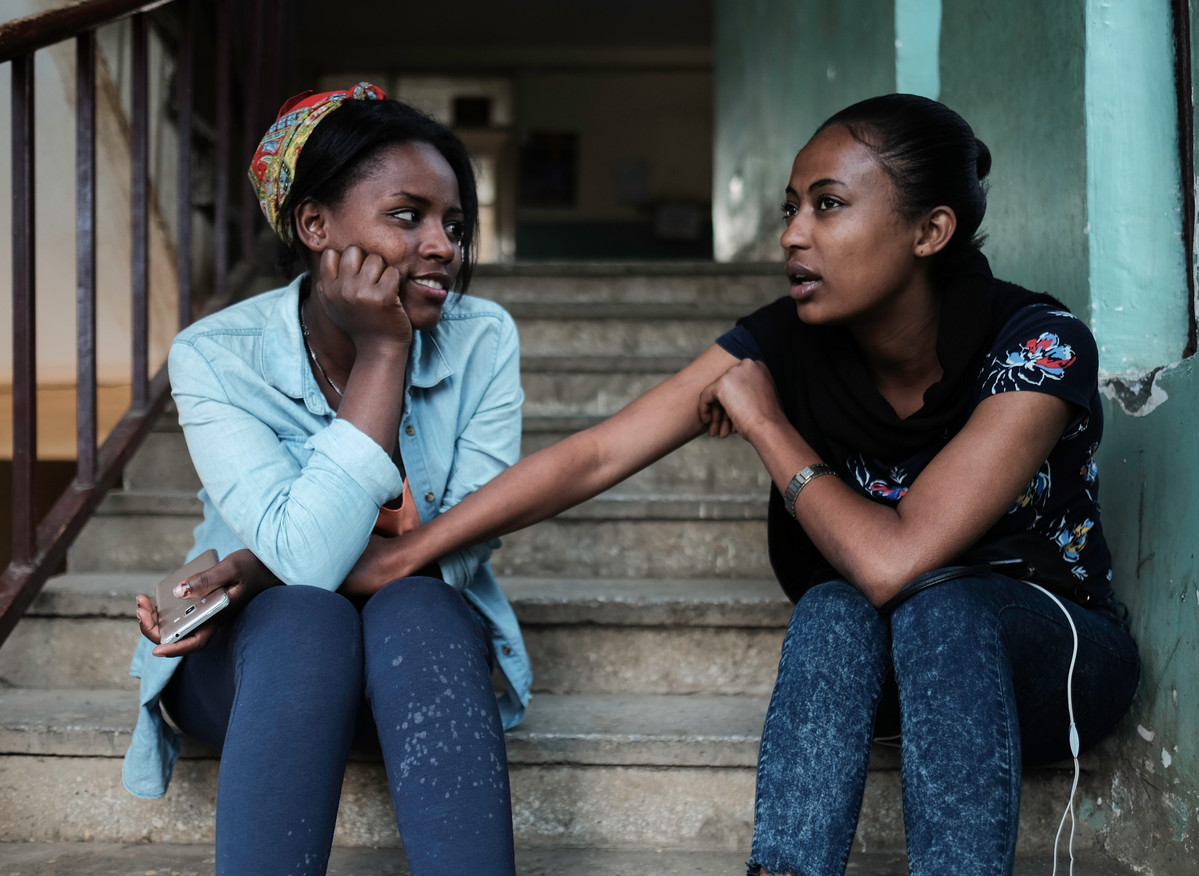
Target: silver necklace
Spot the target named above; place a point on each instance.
(312, 355)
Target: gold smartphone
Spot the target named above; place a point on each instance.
(178, 617)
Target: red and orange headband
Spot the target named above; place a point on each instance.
(274, 165)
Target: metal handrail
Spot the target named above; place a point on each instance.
(38, 547)
(24, 36)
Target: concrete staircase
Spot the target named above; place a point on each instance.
(650, 614)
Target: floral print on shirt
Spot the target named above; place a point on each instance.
(1040, 349)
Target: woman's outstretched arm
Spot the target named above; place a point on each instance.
(555, 478)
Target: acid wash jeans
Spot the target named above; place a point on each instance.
(981, 666)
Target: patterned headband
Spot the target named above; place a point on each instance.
(274, 165)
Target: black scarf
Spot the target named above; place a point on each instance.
(829, 396)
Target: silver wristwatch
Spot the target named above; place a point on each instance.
(807, 473)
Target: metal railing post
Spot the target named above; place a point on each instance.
(184, 95)
(140, 209)
(24, 530)
(224, 124)
(85, 259)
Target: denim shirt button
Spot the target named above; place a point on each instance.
(409, 430)
(429, 497)
(507, 649)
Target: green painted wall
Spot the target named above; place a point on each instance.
(1019, 71)
(1015, 72)
(1021, 76)
(783, 67)
(1150, 479)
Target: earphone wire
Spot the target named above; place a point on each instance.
(1073, 736)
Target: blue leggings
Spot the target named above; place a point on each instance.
(286, 688)
(980, 665)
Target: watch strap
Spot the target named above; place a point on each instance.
(802, 478)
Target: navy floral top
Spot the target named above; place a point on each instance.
(1044, 349)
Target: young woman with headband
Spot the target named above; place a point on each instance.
(359, 401)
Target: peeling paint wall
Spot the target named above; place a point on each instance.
(1021, 76)
(1150, 480)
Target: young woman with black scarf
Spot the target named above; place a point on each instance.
(930, 433)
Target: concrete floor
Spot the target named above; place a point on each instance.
(106, 859)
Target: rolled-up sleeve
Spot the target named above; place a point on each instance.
(307, 521)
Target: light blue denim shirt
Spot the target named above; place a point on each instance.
(302, 489)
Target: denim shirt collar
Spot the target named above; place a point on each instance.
(285, 356)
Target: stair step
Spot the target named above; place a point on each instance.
(741, 287)
(590, 393)
(584, 635)
(617, 331)
(584, 773)
(618, 772)
(705, 465)
(596, 729)
(616, 535)
(651, 635)
(698, 602)
(720, 539)
(652, 602)
(114, 859)
(162, 462)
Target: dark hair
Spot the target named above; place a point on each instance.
(931, 155)
(338, 154)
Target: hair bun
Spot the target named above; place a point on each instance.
(983, 163)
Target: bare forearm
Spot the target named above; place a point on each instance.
(569, 472)
(374, 397)
(968, 486)
(850, 531)
(538, 487)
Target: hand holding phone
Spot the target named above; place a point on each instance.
(234, 581)
(177, 617)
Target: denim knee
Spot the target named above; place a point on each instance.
(417, 597)
(816, 739)
(835, 618)
(423, 602)
(307, 624)
(964, 611)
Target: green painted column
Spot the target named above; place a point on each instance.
(1133, 170)
(918, 47)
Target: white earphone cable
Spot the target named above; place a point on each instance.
(1074, 745)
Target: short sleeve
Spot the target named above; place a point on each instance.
(1044, 349)
(738, 342)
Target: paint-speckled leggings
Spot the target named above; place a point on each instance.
(281, 690)
(981, 665)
